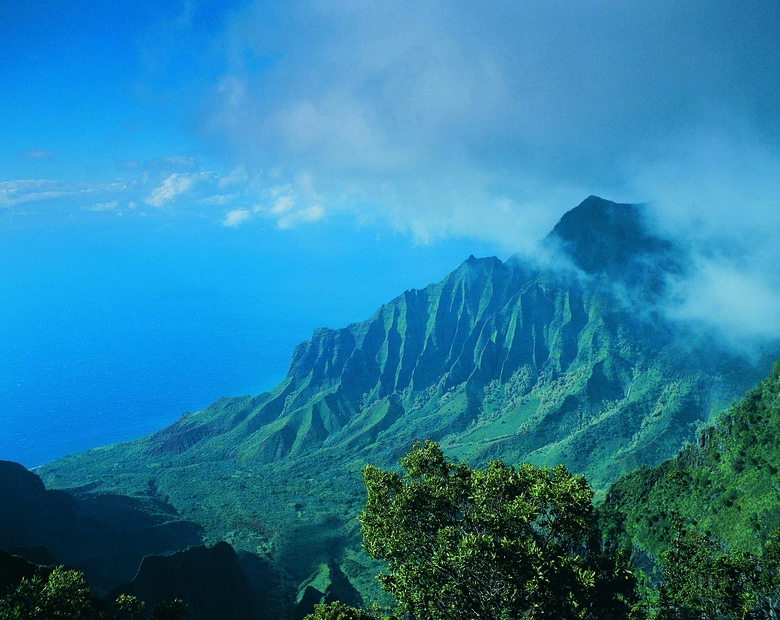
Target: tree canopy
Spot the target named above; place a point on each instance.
(703, 579)
(64, 593)
(496, 543)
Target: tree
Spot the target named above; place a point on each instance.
(129, 607)
(703, 579)
(496, 543)
(338, 611)
(61, 594)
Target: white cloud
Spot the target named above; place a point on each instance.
(306, 215)
(237, 176)
(292, 205)
(103, 206)
(139, 186)
(173, 187)
(236, 217)
(150, 183)
(740, 304)
(433, 115)
(717, 197)
(708, 187)
(490, 121)
(23, 191)
(282, 205)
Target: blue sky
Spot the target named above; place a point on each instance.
(299, 163)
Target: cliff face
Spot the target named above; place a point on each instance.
(105, 536)
(508, 359)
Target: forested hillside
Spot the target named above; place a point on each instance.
(726, 483)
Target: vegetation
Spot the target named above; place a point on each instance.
(66, 594)
(505, 542)
(495, 362)
(725, 482)
(702, 579)
(495, 543)
(500, 361)
(63, 594)
(339, 611)
(501, 542)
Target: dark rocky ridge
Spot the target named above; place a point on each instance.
(105, 536)
(210, 580)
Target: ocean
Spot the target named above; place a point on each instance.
(110, 330)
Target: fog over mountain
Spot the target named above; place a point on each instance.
(459, 120)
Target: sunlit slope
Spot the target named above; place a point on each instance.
(516, 360)
(726, 483)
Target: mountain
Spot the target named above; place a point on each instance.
(726, 483)
(137, 546)
(565, 358)
(613, 239)
(106, 536)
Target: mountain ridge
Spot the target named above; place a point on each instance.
(105, 535)
(500, 359)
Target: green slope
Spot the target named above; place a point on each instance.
(726, 483)
(510, 360)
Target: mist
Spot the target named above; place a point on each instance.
(448, 119)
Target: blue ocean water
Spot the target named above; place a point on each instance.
(110, 334)
(109, 330)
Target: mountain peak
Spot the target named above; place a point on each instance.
(601, 236)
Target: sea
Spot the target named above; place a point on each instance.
(111, 330)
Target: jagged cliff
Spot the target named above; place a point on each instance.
(499, 358)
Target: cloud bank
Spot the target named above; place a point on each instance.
(490, 120)
(458, 118)
(479, 120)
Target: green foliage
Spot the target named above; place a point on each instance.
(702, 579)
(63, 594)
(338, 611)
(129, 607)
(725, 483)
(494, 543)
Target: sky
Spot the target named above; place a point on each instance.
(199, 184)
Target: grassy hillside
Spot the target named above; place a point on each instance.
(726, 483)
